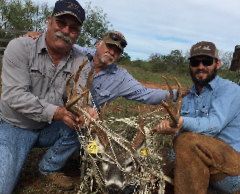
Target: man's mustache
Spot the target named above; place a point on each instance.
(106, 54)
(66, 38)
(201, 71)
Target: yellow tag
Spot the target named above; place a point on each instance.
(92, 147)
(144, 151)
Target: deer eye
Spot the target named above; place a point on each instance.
(99, 155)
(129, 164)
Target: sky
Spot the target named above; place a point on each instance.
(160, 26)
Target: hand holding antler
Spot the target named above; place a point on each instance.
(165, 128)
(72, 104)
(69, 119)
(172, 126)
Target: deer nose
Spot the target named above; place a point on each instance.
(114, 189)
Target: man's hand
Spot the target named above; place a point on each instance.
(32, 34)
(93, 113)
(69, 119)
(164, 127)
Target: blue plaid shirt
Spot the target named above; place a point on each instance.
(115, 81)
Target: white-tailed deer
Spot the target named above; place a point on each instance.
(115, 162)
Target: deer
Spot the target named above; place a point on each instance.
(117, 165)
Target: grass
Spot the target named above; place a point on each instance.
(148, 76)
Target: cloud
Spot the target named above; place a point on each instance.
(155, 26)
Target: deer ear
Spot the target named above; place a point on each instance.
(140, 136)
(101, 134)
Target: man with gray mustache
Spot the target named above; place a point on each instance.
(32, 112)
(111, 81)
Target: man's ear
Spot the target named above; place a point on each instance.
(98, 42)
(219, 63)
(49, 20)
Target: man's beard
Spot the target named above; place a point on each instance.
(203, 82)
(66, 38)
(109, 63)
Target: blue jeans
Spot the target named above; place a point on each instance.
(230, 184)
(16, 143)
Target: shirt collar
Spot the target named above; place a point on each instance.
(212, 84)
(41, 46)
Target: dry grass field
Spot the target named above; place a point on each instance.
(30, 181)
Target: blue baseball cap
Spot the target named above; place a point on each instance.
(71, 7)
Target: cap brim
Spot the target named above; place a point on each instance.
(108, 40)
(70, 13)
(203, 54)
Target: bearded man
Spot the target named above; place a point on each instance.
(206, 149)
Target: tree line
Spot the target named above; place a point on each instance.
(29, 16)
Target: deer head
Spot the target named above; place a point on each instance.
(118, 161)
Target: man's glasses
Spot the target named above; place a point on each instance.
(205, 62)
(61, 24)
(115, 37)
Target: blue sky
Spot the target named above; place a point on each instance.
(159, 26)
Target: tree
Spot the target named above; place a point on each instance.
(23, 15)
(155, 57)
(124, 58)
(94, 26)
(175, 59)
(226, 58)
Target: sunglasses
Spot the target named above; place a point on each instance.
(205, 62)
(116, 37)
(61, 24)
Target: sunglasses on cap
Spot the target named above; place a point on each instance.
(116, 37)
(61, 24)
(206, 62)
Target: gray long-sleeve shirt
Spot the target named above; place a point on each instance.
(32, 87)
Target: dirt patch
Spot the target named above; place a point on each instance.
(157, 85)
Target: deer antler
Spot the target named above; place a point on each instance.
(174, 110)
(72, 105)
(72, 97)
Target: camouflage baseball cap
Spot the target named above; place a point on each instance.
(204, 48)
(115, 37)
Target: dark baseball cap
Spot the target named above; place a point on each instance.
(71, 7)
(204, 48)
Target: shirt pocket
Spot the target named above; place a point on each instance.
(102, 92)
(185, 112)
(36, 75)
(204, 111)
(185, 109)
(40, 81)
(37, 79)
